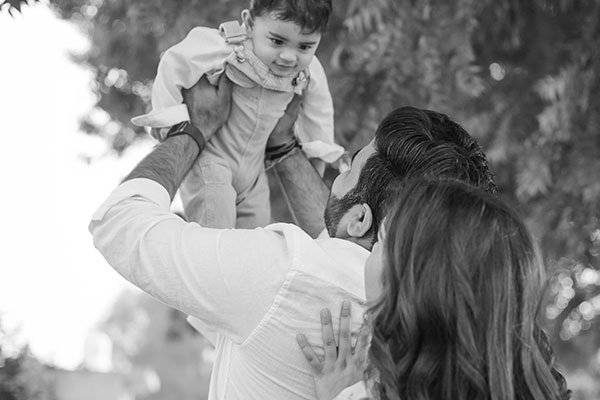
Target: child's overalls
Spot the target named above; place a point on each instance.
(227, 187)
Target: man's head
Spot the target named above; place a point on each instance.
(286, 33)
(409, 143)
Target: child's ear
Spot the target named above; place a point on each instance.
(248, 20)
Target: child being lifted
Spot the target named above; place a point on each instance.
(269, 58)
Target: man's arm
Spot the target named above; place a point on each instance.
(304, 190)
(172, 159)
(215, 275)
(168, 163)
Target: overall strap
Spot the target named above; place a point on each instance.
(233, 32)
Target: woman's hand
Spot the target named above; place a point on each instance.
(342, 367)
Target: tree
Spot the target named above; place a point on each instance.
(22, 376)
(14, 6)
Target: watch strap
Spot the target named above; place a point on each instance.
(273, 153)
(187, 128)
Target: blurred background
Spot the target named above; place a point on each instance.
(522, 76)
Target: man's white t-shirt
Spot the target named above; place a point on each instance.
(256, 288)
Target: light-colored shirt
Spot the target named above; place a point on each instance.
(256, 288)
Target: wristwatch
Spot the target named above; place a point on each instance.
(187, 128)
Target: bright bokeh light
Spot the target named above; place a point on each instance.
(54, 285)
(497, 72)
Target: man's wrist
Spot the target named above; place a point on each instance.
(273, 153)
(270, 163)
(168, 163)
(189, 129)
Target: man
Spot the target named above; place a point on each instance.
(258, 288)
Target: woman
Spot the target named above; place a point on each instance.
(455, 284)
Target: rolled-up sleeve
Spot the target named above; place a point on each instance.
(226, 278)
(315, 121)
(202, 51)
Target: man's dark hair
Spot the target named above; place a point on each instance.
(311, 15)
(412, 143)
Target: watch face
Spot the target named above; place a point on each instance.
(178, 127)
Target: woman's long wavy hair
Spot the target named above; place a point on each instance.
(461, 294)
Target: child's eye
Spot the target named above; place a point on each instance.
(305, 47)
(277, 42)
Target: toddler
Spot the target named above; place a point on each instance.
(269, 58)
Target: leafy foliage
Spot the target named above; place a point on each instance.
(14, 5)
(149, 336)
(523, 77)
(22, 376)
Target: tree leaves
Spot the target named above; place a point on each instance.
(534, 178)
(365, 16)
(14, 6)
(22, 376)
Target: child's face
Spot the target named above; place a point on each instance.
(281, 45)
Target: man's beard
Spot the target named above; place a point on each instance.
(335, 209)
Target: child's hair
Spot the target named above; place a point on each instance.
(311, 15)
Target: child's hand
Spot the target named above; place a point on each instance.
(343, 366)
(208, 106)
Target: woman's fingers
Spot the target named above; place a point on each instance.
(309, 354)
(340, 358)
(344, 346)
(363, 342)
(328, 338)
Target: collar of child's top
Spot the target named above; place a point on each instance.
(244, 60)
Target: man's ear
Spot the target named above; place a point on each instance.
(248, 20)
(360, 220)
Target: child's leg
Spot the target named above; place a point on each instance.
(254, 208)
(208, 195)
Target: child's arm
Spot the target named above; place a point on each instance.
(202, 51)
(315, 121)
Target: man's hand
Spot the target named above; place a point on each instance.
(171, 160)
(208, 106)
(283, 133)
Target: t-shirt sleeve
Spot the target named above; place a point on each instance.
(314, 126)
(228, 279)
(202, 51)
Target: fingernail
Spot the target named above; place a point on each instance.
(345, 308)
